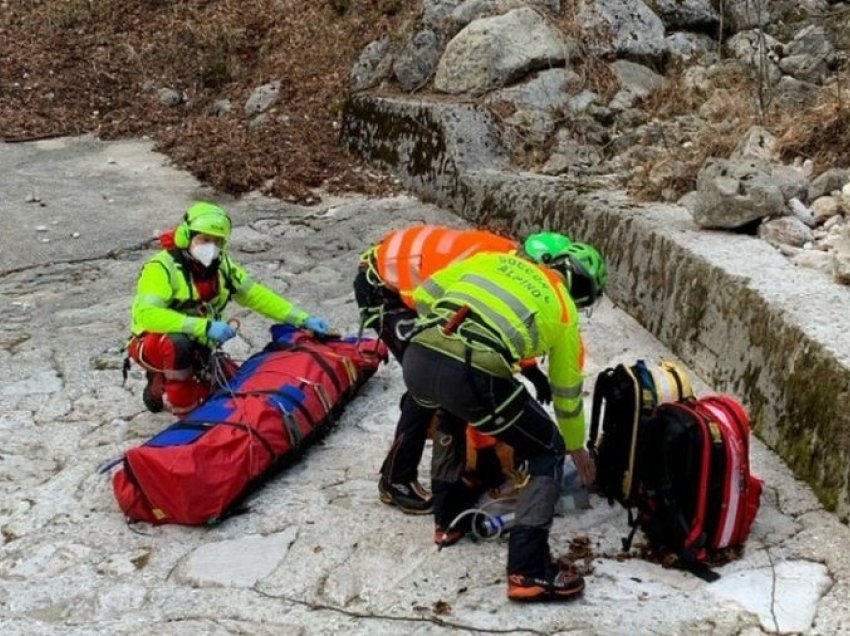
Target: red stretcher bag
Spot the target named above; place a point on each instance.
(197, 470)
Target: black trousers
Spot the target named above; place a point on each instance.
(466, 395)
(401, 464)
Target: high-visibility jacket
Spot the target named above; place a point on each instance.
(167, 300)
(530, 309)
(404, 258)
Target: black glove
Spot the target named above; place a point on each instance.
(540, 382)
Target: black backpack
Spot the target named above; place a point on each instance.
(697, 496)
(623, 400)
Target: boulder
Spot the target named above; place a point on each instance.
(493, 52)
(792, 94)
(686, 46)
(826, 182)
(735, 192)
(262, 98)
(416, 60)
(373, 66)
(690, 15)
(472, 10)
(623, 28)
(787, 230)
(791, 180)
(221, 107)
(755, 48)
(841, 261)
(436, 13)
(808, 55)
(170, 97)
(825, 207)
(549, 89)
(758, 143)
(740, 15)
(636, 78)
(812, 40)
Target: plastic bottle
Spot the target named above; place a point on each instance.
(490, 526)
(574, 496)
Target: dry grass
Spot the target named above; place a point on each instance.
(730, 105)
(74, 66)
(820, 133)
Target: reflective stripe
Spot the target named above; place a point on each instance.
(421, 308)
(152, 301)
(446, 242)
(414, 262)
(523, 314)
(434, 290)
(502, 324)
(390, 259)
(571, 413)
(568, 392)
(501, 407)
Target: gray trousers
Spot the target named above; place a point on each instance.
(465, 395)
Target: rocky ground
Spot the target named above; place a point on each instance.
(317, 553)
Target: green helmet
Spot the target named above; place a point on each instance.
(586, 272)
(545, 247)
(203, 218)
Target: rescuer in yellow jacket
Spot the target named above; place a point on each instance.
(478, 318)
(383, 288)
(177, 311)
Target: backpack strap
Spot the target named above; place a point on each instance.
(696, 567)
(603, 381)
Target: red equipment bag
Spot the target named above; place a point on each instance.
(197, 470)
(698, 496)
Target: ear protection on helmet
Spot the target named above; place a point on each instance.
(183, 235)
(183, 232)
(582, 284)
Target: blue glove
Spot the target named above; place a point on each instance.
(317, 325)
(220, 331)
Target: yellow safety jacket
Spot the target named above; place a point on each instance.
(167, 300)
(530, 309)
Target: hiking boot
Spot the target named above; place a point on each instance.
(563, 585)
(410, 498)
(153, 392)
(445, 539)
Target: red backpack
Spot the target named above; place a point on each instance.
(698, 496)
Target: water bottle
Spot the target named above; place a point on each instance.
(574, 496)
(494, 525)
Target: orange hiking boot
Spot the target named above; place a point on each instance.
(564, 585)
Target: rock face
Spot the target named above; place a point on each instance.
(373, 65)
(493, 52)
(746, 14)
(732, 193)
(415, 63)
(626, 28)
(686, 14)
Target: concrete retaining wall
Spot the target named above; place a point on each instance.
(745, 318)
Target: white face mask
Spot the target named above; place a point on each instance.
(205, 253)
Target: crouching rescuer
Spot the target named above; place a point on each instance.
(479, 317)
(177, 311)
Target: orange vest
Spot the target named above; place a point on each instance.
(405, 258)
